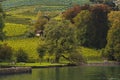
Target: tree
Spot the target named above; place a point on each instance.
(72, 12)
(85, 31)
(100, 26)
(110, 3)
(42, 51)
(92, 26)
(77, 58)
(41, 21)
(21, 56)
(112, 50)
(2, 16)
(6, 52)
(60, 40)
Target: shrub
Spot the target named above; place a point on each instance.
(6, 52)
(30, 34)
(21, 56)
(77, 58)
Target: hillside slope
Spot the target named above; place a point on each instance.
(15, 3)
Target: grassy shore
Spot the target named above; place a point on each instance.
(33, 65)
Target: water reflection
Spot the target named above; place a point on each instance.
(69, 73)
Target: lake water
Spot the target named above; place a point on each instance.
(69, 73)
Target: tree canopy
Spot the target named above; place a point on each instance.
(2, 16)
(112, 49)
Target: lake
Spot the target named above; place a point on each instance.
(69, 73)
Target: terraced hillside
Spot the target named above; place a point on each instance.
(15, 3)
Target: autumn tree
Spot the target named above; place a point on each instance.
(72, 12)
(112, 50)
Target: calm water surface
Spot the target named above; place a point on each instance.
(69, 73)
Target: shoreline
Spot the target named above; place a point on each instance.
(15, 70)
(64, 65)
(8, 70)
(103, 64)
(40, 66)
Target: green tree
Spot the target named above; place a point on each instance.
(100, 26)
(2, 16)
(21, 56)
(6, 52)
(112, 50)
(41, 21)
(42, 51)
(91, 22)
(85, 31)
(61, 38)
(92, 26)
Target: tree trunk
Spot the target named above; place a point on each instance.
(57, 58)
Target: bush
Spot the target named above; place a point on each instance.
(42, 50)
(77, 58)
(30, 34)
(6, 53)
(21, 56)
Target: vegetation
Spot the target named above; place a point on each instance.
(28, 45)
(66, 34)
(16, 3)
(113, 46)
(60, 38)
(2, 16)
(114, 4)
(40, 23)
(5, 53)
(21, 56)
(12, 30)
(92, 24)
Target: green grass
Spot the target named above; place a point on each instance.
(15, 19)
(32, 64)
(29, 45)
(15, 29)
(91, 54)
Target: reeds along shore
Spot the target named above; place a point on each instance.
(15, 70)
